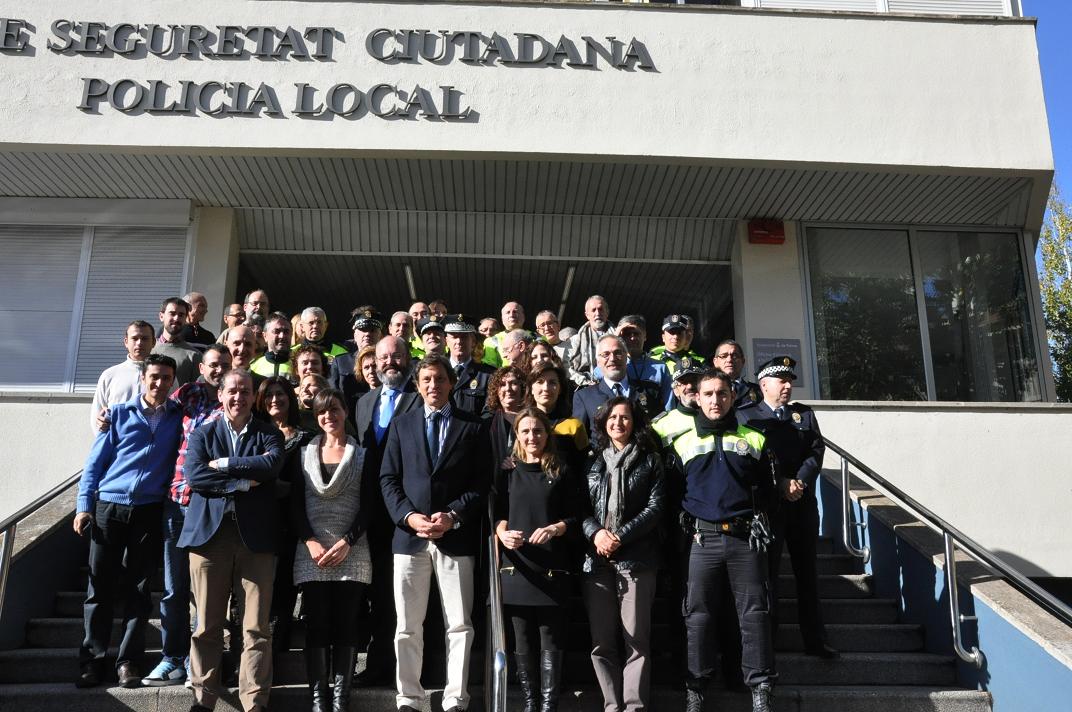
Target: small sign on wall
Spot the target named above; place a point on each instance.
(764, 350)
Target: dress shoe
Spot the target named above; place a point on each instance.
(455, 708)
(823, 651)
(407, 708)
(89, 675)
(128, 675)
(199, 708)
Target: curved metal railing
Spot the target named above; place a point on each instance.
(952, 538)
(9, 527)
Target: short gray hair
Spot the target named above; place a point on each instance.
(314, 311)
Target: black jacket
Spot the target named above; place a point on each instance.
(643, 509)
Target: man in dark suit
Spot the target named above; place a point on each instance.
(375, 412)
(230, 532)
(471, 389)
(434, 476)
(612, 357)
(793, 434)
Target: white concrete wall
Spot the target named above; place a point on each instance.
(768, 299)
(999, 473)
(45, 440)
(730, 84)
(214, 261)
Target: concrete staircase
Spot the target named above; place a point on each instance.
(883, 667)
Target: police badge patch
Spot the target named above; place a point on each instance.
(742, 447)
(474, 383)
(796, 417)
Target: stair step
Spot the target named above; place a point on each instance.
(294, 698)
(60, 665)
(835, 610)
(68, 632)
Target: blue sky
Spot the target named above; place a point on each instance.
(1054, 36)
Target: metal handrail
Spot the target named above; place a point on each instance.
(9, 528)
(496, 668)
(952, 538)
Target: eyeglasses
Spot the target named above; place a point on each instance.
(727, 355)
(605, 355)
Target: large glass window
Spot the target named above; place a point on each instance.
(972, 300)
(867, 343)
(977, 317)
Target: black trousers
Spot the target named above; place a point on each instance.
(546, 622)
(284, 592)
(796, 527)
(714, 561)
(331, 609)
(381, 600)
(125, 550)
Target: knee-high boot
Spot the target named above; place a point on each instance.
(528, 681)
(316, 672)
(342, 663)
(550, 679)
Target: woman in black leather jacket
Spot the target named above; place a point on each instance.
(625, 492)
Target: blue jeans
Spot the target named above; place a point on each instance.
(175, 605)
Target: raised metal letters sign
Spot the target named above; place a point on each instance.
(306, 44)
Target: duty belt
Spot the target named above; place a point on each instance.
(737, 526)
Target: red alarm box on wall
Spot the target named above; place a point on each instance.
(763, 231)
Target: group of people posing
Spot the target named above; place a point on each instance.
(263, 465)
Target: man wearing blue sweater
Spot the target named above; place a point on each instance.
(120, 506)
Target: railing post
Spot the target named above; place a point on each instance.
(847, 523)
(5, 561)
(974, 656)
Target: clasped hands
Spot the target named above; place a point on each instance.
(792, 490)
(515, 538)
(606, 542)
(328, 558)
(432, 527)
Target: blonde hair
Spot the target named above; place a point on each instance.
(549, 461)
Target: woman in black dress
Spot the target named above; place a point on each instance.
(536, 504)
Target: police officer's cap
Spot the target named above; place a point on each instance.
(677, 321)
(780, 366)
(692, 373)
(432, 321)
(458, 324)
(366, 320)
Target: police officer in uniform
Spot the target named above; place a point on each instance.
(431, 333)
(367, 325)
(471, 389)
(729, 478)
(675, 353)
(793, 434)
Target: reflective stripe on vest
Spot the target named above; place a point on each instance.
(744, 441)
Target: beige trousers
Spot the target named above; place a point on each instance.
(222, 563)
(412, 581)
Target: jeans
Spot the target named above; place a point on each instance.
(175, 605)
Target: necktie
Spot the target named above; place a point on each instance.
(617, 390)
(433, 436)
(780, 412)
(459, 369)
(387, 410)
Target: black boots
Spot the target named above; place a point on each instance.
(528, 681)
(694, 700)
(316, 672)
(342, 665)
(550, 679)
(763, 698)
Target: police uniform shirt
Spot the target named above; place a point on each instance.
(794, 437)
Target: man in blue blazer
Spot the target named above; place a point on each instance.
(230, 532)
(435, 473)
(612, 358)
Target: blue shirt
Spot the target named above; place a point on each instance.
(132, 462)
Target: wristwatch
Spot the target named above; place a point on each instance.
(456, 521)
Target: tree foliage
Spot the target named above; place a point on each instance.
(1055, 282)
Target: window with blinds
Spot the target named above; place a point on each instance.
(67, 293)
